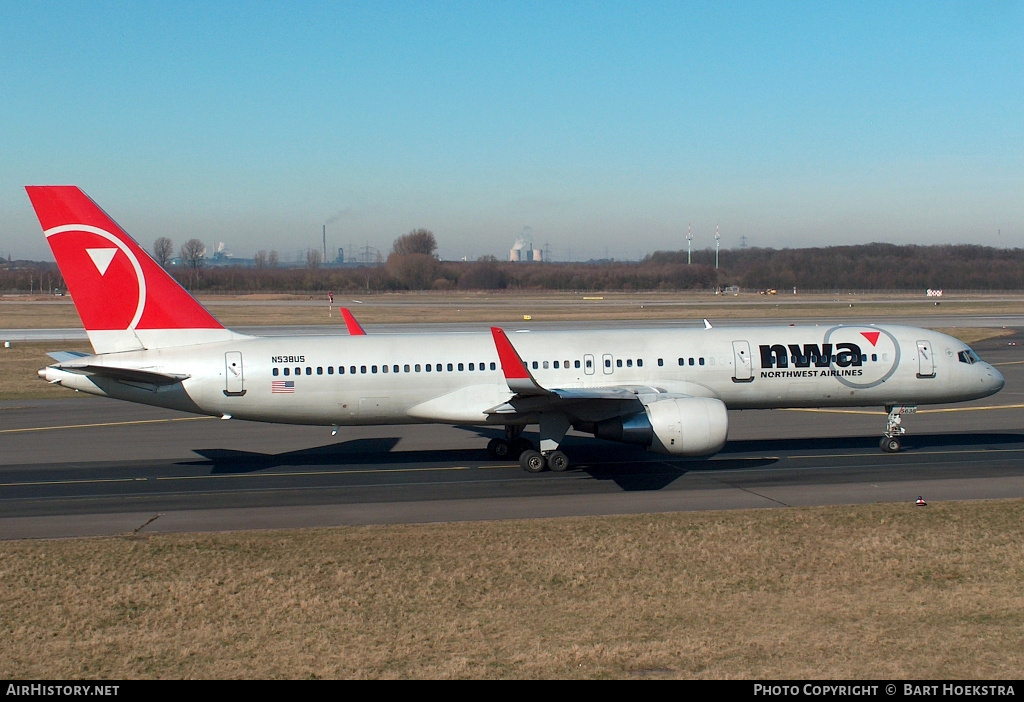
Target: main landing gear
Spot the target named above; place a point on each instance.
(535, 462)
(890, 442)
(511, 447)
(514, 446)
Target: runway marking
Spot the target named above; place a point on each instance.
(102, 424)
(368, 471)
(920, 411)
(71, 482)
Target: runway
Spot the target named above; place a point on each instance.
(89, 466)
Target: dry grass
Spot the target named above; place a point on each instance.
(880, 591)
(18, 367)
(971, 336)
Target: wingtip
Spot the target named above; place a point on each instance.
(511, 364)
(353, 326)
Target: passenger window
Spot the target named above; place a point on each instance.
(428, 367)
(461, 367)
(309, 371)
(545, 365)
(576, 364)
(661, 361)
(629, 363)
(417, 367)
(450, 367)
(362, 369)
(406, 368)
(319, 370)
(352, 370)
(618, 362)
(493, 367)
(701, 360)
(373, 369)
(330, 370)
(273, 372)
(472, 366)
(556, 364)
(682, 361)
(384, 369)
(639, 362)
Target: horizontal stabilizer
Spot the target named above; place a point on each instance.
(66, 356)
(133, 375)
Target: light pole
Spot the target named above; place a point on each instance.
(718, 240)
(689, 241)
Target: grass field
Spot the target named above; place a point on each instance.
(869, 592)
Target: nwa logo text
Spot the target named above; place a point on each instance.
(843, 355)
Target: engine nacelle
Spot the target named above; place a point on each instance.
(692, 426)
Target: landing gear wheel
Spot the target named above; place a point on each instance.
(498, 449)
(890, 444)
(558, 461)
(532, 462)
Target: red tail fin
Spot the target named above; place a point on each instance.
(125, 299)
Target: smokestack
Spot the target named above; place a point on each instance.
(325, 243)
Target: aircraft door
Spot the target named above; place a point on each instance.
(606, 364)
(925, 360)
(743, 371)
(234, 376)
(588, 364)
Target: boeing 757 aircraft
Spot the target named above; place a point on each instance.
(666, 389)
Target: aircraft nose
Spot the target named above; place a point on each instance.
(995, 379)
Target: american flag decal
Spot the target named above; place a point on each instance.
(285, 386)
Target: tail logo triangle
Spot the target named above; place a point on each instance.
(101, 258)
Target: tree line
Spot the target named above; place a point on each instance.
(413, 265)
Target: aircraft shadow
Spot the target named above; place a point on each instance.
(911, 442)
(631, 468)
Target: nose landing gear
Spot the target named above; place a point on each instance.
(890, 442)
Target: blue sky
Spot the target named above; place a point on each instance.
(604, 127)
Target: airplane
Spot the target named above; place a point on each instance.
(666, 389)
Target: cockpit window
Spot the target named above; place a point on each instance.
(967, 356)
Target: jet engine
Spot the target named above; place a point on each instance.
(692, 426)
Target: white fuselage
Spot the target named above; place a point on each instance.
(457, 377)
